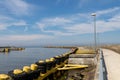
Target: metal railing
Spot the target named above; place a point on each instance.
(103, 70)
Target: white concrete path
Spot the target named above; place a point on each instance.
(112, 61)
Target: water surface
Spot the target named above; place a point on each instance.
(18, 59)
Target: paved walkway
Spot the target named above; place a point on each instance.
(112, 61)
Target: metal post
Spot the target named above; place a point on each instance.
(94, 15)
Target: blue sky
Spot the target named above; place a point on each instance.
(49, 22)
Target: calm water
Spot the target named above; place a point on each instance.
(18, 59)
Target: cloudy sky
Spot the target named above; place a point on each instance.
(36, 22)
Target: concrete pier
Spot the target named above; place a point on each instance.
(112, 61)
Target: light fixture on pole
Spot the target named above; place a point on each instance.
(94, 15)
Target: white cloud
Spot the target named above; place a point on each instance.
(70, 25)
(50, 22)
(115, 18)
(79, 28)
(81, 23)
(17, 7)
(58, 33)
(4, 18)
(24, 37)
(108, 11)
(56, 21)
(102, 26)
(41, 26)
(19, 23)
(3, 26)
(6, 25)
(7, 22)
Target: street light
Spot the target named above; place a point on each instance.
(94, 15)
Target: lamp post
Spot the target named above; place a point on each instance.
(94, 15)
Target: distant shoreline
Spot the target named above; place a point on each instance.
(65, 47)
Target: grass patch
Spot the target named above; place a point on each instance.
(115, 48)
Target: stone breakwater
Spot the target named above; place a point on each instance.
(8, 49)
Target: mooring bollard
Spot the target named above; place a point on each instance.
(5, 77)
(17, 74)
(48, 64)
(35, 71)
(41, 66)
(53, 62)
(28, 73)
(26, 69)
(58, 60)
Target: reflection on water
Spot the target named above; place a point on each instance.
(18, 59)
(5, 53)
